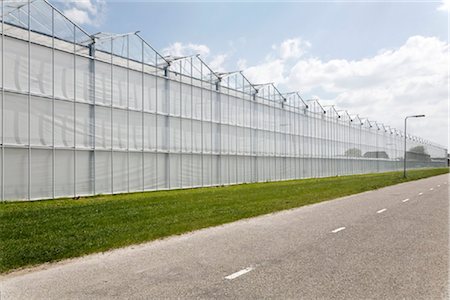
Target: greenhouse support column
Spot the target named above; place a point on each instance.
(201, 125)
(219, 133)
(29, 99)
(229, 130)
(74, 117)
(180, 149)
(92, 110)
(142, 116)
(192, 123)
(112, 117)
(2, 59)
(128, 113)
(53, 103)
(168, 154)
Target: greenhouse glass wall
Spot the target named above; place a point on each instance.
(85, 114)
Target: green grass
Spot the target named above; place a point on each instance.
(36, 232)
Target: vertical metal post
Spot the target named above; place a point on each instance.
(112, 117)
(404, 152)
(180, 150)
(3, 106)
(53, 103)
(128, 113)
(143, 115)
(201, 122)
(74, 116)
(29, 99)
(94, 117)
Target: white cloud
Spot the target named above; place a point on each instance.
(77, 15)
(393, 83)
(445, 6)
(269, 71)
(82, 12)
(180, 49)
(292, 48)
(241, 64)
(217, 62)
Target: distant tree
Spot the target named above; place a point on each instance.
(353, 152)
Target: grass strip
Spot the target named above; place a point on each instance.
(43, 231)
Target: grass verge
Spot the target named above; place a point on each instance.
(44, 231)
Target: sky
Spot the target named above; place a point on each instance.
(383, 60)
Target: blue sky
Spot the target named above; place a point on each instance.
(336, 30)
(381, 59)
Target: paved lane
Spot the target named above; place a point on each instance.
(389, 243)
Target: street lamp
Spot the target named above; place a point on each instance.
(404, 154)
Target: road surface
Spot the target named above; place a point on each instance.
(389, 243)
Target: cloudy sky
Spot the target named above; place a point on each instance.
(380, 59)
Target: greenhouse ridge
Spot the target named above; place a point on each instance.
(105, 113)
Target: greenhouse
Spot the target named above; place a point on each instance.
(86, 114)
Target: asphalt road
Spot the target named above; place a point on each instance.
(373, 245)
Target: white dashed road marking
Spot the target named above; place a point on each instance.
(406, 200)
(431, 189)
(239, 273)
(338, 229)
(420, 194)
(381, 211)
(438, 185)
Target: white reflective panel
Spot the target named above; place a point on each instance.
(207, 147)
(149, 93)
(135, 130)
(120, 172)
(196, 103)
(16, 168)
(175, 134)
(64, 173)
(103, 127)
(186, 100)
(161, 171)
(135, 171)
(83, 79)
(196, 170)
(196, 136)
(186, 170)
(84, 165)
(175, 99)
(206, 104)
(41, 70)
(186, 135)
(120, 129)
(103, 75)
(41, 177)
(64, 75)
(150, 171)
(162, 95)
(41, 119)
(215, 170)
(175, 170)
(103, 172)
(1, 62)
(149, 131)
(15, 119)
(16, 64)
(119, 91)
(135, 90)
(215, 138)
(84, 125)
(163, 133)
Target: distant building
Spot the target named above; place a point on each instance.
(376, 154)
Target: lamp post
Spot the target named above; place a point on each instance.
(404, 154)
